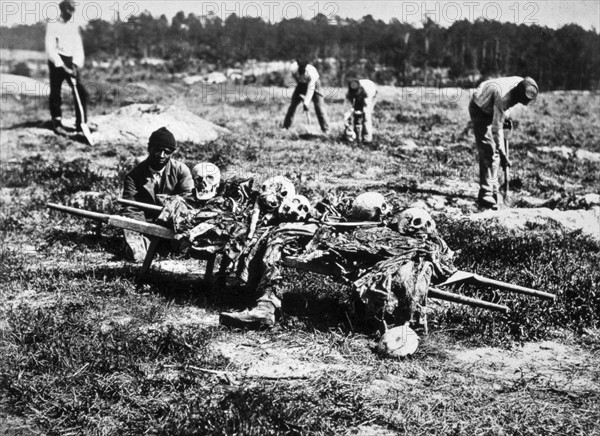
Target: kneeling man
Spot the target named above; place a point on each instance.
(157, 174)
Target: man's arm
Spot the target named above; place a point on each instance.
(185, 182)
(312, 83)
(50, 42)
(129, 193)
(78, 54)
(349, 111)
(497, 125)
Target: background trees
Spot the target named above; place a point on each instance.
(393, 52)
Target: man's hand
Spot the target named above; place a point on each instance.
(508, 124)
(348, 118)
(70, 71)
(504, 161)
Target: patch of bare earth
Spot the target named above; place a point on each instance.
(549, 364)
(588, 221)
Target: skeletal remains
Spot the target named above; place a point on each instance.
(273, 192)
(390, 264)
(370, 206)
(295, 208)
(414, 222)
(207, 178)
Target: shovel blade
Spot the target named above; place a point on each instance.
(87, 133)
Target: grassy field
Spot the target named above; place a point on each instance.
(87, 346)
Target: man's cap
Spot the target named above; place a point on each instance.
(530, 88)
(302, 61)
(67, 4)
(162, 138)
(353, 84)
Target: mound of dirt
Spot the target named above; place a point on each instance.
(135, 123)
(588, 221)
(11, 84)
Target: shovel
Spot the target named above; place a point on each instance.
(84, 127)
(507, 133)
(506, 174)
(467, 277)
(306, 112)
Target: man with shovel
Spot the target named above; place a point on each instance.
(65, 56)
(488, 109)
(308, 88)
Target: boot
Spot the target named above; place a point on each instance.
(58, 127)
(263, 315)
(488, 201)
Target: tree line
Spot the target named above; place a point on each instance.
(392, 52)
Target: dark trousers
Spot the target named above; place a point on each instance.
(57, 76)
(317, 100)
(489, 157)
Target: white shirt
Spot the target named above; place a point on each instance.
(489, 93)
(63, 38)
(370, 90)
(369, 87)
(156, 175)
(310, 78)
(491, 97)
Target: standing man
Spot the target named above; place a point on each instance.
(488, 109)
(361, 95)
(65, 56)
(308, 88)
(157, 174)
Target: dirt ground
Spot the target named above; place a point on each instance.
(422, 158)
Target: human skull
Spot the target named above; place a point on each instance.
(399, 341)
(274, 190)
(414, 222)
(370, 206)
(207, 178)
(294, 208)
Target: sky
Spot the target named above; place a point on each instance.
(551, 13)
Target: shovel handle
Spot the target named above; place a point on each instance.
(514, 288)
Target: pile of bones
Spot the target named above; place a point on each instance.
(388, 258)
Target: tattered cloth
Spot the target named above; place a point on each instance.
(218, 225)
(389, 272)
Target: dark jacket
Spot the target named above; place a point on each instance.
(139, 186)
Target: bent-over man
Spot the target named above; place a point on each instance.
(488, 109)
(361, 95)
(308, 88)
